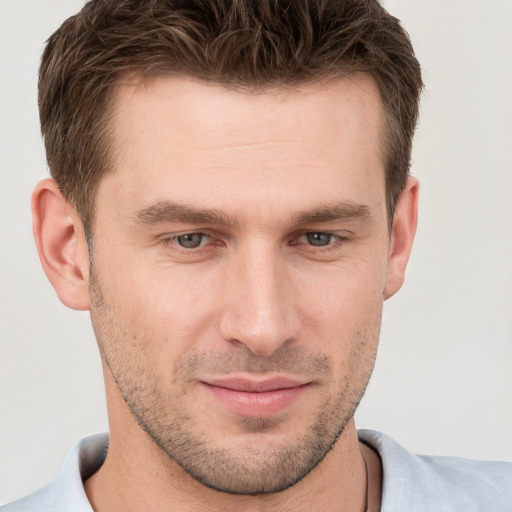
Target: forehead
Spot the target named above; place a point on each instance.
(185, 104)
(206, 142)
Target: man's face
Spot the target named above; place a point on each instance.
(239, 270)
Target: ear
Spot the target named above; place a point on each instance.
(61, 245)
(405, 221)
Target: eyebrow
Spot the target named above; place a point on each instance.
(169, 212)
(343, 211)
(172, 212)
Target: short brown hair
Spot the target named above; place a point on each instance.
(248, 44)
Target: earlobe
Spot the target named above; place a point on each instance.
(61, 245)
(405, 221)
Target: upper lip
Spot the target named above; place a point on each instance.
(254, 385)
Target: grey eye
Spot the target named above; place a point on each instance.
(190, 240)
(318, 239)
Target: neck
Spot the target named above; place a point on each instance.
(139, 476)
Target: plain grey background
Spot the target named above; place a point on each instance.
(443, 380)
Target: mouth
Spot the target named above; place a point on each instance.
(255, 398)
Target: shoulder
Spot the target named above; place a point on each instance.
(42, 500)
(66, 493)
(432, 483)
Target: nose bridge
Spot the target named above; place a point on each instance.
(260, 312)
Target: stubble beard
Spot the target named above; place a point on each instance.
(255, 466)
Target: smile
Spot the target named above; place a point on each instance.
(255, 399)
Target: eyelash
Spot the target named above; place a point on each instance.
(334, 243)
(173, 241)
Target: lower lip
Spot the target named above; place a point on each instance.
(256, 405)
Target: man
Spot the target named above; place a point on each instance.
(232, 204)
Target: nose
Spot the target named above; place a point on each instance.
(259, 310)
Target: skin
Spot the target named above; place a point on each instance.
(295, 258)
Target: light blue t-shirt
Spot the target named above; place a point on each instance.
(411, 483)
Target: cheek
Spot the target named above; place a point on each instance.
(342, 317)
(168, 306)
(343, 294)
